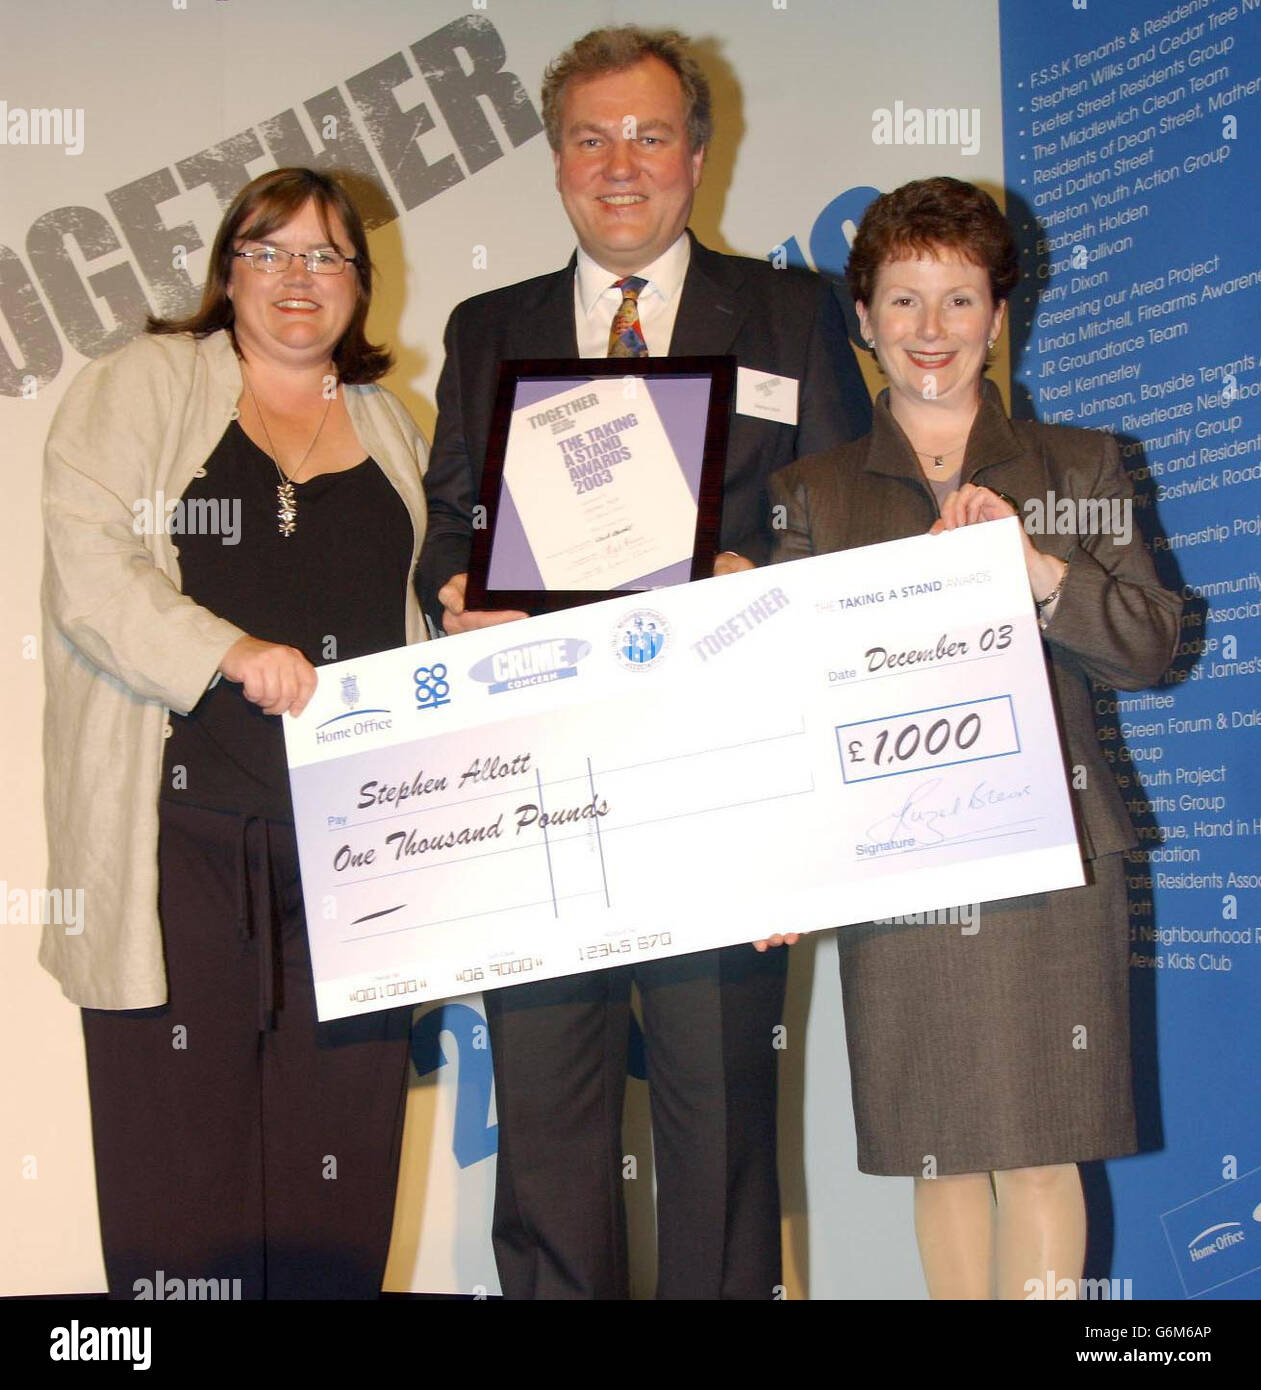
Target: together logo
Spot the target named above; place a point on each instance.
(531, 663)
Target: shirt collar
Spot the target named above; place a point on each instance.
(664, 275)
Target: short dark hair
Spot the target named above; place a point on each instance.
(263, 205)
(932, 215)
(616, 48)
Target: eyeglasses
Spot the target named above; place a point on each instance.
(267, 260)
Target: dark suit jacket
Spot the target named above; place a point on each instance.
(1113, 621)
(787, 322)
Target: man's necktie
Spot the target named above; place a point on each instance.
(626, 337)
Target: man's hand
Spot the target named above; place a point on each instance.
(276, 678)
(728, 562)
(786, 939)
(455, 619)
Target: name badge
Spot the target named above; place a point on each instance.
(767, 396)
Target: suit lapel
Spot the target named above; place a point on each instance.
(998, 458)
(543, 326)
(711, 306)
(711, 311)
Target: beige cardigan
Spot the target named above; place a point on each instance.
(122, 645)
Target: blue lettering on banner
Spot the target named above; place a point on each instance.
(1131, 191)
(829, 245)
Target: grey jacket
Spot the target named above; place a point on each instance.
(1113, 622)
(122, 644)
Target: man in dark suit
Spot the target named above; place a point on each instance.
(627, 114)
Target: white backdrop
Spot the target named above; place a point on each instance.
(160, 85)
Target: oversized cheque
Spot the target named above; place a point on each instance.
(848, 737)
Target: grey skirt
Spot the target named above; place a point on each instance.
(1008, 1047)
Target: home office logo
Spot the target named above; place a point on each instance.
(641, 638)
(531, 663)
(1214, 1239)
(354, 723)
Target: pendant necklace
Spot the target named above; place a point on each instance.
(939, 460)
(287, 502)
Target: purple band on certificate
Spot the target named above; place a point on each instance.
(682, 404)
(601, 477)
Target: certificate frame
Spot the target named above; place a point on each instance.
(486, 590)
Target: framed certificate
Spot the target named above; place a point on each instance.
(602, 477)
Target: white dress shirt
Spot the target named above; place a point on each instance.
(596, 300)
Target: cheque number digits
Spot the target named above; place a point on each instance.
(647, 941)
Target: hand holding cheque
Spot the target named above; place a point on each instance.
(834, 740)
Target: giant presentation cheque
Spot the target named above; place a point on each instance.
(854, 736)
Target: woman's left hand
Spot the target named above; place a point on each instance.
(971, 504)
(968, 505)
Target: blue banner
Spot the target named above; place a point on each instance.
(1130, 139)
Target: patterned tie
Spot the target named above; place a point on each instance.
(626, 337)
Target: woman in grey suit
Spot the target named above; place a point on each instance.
(987, 1063)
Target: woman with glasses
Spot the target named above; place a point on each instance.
(229, 499)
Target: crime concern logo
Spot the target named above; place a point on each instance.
(532, 663)
(641, 638)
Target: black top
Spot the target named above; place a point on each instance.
(335, 589)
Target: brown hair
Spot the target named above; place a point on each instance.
(615, 49)
(263, 205)
(928, 216)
